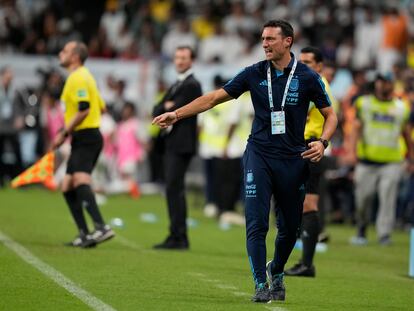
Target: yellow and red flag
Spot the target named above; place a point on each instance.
(40, 172)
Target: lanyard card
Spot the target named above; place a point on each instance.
(278, 122)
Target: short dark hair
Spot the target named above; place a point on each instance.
(317, 53)
(130, 105)
(81, 50)
(187, 47)
(287, 29)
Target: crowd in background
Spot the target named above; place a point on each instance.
(351, 33)
(357, 38)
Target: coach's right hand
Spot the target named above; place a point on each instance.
(166, 119)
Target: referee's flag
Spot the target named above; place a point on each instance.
(40, 172)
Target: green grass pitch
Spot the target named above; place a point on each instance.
(126, 274)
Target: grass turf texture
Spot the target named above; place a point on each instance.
(214, 275)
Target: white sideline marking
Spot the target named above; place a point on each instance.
(218, 284)
(197, 274)
(241, 294)
(131, 244)
(128, 243)
(55, 275)
(233, 289)
(212, 281)
(276, 309)
(223, 286)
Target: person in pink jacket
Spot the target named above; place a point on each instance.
(130, 142)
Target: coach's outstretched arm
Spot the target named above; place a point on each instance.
(198, 105)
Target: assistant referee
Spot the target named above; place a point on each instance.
(83, 106)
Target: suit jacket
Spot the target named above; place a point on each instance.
(183, 136)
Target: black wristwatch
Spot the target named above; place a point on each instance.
(324, 142)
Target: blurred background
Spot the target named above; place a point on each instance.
(131, 44)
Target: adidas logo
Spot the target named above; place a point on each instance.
(263, 83)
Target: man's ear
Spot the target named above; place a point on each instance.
(288, 42)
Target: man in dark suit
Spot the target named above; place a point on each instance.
(180, 146)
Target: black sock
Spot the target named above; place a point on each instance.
(86, 199)
(76, 211)
(310, 231)
(362, 231)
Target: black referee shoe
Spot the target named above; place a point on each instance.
(301, 270)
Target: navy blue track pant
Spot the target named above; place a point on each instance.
(285, 179)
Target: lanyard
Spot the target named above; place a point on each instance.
(269, 84)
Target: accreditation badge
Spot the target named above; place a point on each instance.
(278, 123)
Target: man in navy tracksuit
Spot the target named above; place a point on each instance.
(275, 158)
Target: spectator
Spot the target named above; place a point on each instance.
(51, 118)
(130, 145)
(367, 37)
(115, 98)
(215, 49)
(99, 45)
(113, 21)
(179, 35)
(203, 25)
(9, 123)
(11, 26)
(237, 20)
(395, 39)
(147, 41)
(380, 121)
(124, 40)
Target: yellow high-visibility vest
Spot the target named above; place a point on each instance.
(382, 126)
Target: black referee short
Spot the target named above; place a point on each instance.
(86, 147)
(315, 173)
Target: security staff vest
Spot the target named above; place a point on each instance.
(215, 127)
(382, 125)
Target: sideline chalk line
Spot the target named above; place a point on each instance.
(234, 290)
(55, 275)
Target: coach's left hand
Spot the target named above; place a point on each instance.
(315, 151)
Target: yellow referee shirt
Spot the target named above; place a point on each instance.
(315, 120)
(80, 86)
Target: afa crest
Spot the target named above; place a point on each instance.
(294, 85)
(249, 177)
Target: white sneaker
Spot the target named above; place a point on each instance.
(83, 241)
(210, 210)
(358, 241)
(232, 218)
